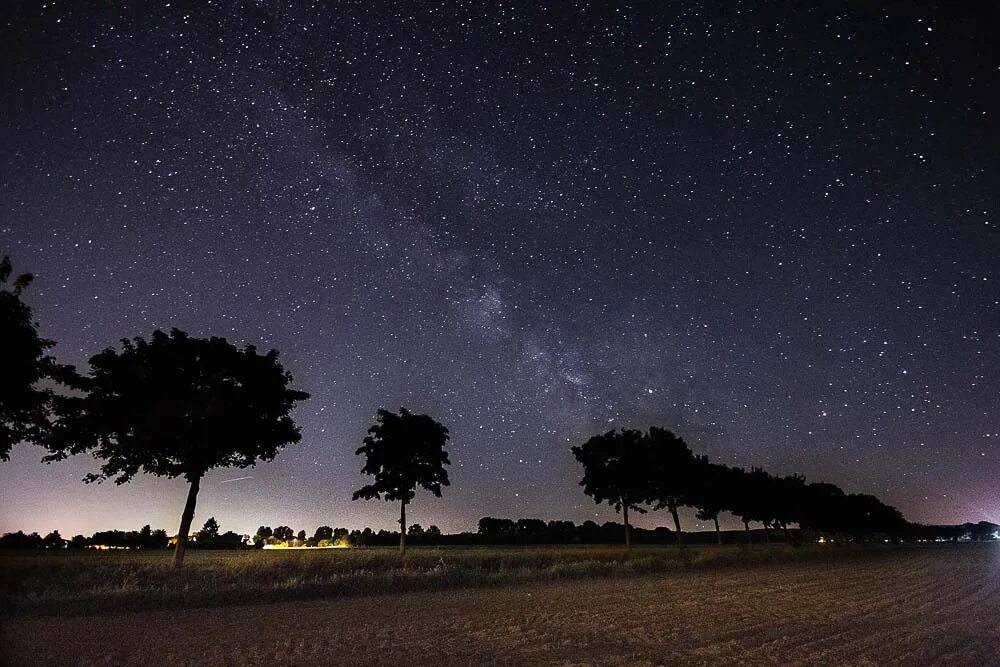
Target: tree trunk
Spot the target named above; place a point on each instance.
(186, 518)
(767, 531)
(718, 533)
(746, 527)
(784, 529)
(628, 530)
(677, 523)
(402, 528)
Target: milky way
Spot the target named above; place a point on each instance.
(772, 228)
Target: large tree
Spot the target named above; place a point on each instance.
(616, 471)
(671, 471)
(29, 373)
(403, 451)
(178, 406)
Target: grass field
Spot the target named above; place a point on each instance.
(922, 606)
(82, 582)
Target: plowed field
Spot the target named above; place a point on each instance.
(915, 607)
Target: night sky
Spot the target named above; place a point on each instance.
(769, 227)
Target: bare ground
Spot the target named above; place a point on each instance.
(920, 607)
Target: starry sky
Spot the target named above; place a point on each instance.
(771, 227)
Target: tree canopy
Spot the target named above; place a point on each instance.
(25, 400)
(178, 406)
(616, 471)
(402, 452)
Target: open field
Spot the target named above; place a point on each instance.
(907, 607)
(910, 607)
(81, 582)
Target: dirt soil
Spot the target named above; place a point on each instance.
(921, 607)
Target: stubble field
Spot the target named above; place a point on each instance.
(918, 606)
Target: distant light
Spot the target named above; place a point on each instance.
(338, 545)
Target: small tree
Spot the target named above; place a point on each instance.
(158, 539)
(616, 471)
(403, 451)
(176, 406)
(24, 404)
(209, 533)
(53, 541)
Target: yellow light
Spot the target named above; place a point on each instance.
(341, 543)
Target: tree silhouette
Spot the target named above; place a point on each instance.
(822, 507)
(497, 530)
(671, 467)
(323, 533)
(403, 451)
(866, 516)
(19, 540)
(209, 532)
(787, 501)
(415, 532)
(24, 404)
(53, 541)
(709, 491)
(177, 406)
(616, 470)
(750, 498)
(262, 535)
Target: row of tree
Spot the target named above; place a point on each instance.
(144, 538)
(635, 471)
(325, 536)
(536, 531)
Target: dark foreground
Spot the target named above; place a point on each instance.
(915, 607)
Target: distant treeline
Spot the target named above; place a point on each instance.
(492, 531)
(145, 538)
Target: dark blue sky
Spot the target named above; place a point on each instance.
(772, 228)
